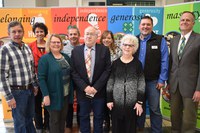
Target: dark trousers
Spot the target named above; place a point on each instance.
(38, 118)
(124, 123)
(97, 106)
(70, 114)
(58, 117)
(183, 113)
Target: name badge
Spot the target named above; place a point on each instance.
(154, 47)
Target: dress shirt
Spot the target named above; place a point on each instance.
(164, 57)
(92, 59)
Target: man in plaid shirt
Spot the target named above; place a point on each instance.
(17, 79)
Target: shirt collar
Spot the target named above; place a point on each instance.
(17, 45)
(86, 48)
(186, 35)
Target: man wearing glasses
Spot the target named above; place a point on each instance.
(17, 79)
(91, 68)
(153, 53)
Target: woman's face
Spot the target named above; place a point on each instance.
(107, 41)
(128, 48)
(55, 45)
(39, 33)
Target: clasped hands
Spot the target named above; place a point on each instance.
(90, 91)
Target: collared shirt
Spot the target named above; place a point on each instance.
(16, 67)
(164, 57)
(67, 49)
(92, 59)
(186, 39)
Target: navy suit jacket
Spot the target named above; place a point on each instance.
(102, 68)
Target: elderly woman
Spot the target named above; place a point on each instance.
(125, 88)
(107, 39)
(54, 79)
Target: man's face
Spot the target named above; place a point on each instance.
(16, 34)
(145, 27)
(90, 37)
(73, 36)
(186, 22)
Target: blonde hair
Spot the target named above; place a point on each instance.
(47, 46)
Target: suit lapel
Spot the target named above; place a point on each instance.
(82, 59)
(176, 42)
(188, 44)
(97, 54)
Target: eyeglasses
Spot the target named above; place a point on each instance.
(130, 45)
(55, 42)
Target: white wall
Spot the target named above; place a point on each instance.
(19, 3)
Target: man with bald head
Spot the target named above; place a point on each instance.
(184, 76)
(91, 68)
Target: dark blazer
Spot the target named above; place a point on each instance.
(185, 73)
(102, 68)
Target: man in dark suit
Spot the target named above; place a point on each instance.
(91, 83)
(185, 76)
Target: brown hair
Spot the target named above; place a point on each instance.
(112, 47)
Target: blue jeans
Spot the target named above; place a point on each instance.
(24, 112)
(97, 106)
(153, 98)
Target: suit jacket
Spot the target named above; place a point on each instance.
(185, 73)
(102, 68)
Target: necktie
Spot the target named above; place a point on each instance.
(180, 52)
(88, 62)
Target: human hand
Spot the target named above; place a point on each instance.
(139, 109)
(12, 103)
(160, 86)
(196, 96)
(88, 90)
(110, 105)
(35, 91)
(46, 101)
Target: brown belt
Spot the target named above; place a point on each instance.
(21, 87)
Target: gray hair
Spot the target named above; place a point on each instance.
(130, 38)
(13, 24)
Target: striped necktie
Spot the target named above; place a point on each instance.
(88, 62)
(180, 52)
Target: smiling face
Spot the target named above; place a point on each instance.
(16, 34)
(39, 33)
(145, 27)
(107, 40)
(73, 36)
(55, 45)
(90, 36)
(128, 48)
(186, 23)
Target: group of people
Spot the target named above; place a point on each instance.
(107, 79)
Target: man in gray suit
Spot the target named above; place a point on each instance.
(184, 77)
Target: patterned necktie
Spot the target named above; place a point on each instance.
(88, 62)
(180, 52)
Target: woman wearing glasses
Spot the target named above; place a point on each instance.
(125, 88)
(107, 39)
(54, 80)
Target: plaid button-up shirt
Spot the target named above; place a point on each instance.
(16, 67)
